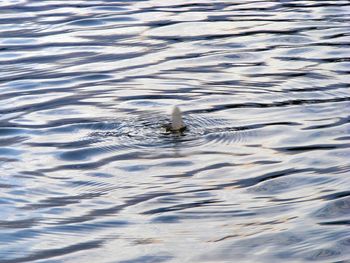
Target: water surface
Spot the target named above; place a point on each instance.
(88, 173)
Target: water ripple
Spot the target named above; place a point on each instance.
(89, 171)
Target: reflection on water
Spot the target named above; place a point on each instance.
(89, 174)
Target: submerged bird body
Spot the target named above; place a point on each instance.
(177, 124)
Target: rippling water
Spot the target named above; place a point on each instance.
(88, 173)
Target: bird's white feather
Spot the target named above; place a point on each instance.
(176, 119)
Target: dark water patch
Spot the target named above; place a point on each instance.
(94, 226)
(334, 209)
(340, 222)
(7, 185)
(8, 131)
(20, 224)
(167, 219)
(12, 140)
(336, 195)
(299, 149)
(270, 176)
(50, 253)
(323, 254)
(339, 122)
(6, 151)
(286, 183)
(179, 207)
(62, 201)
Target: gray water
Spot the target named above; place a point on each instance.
(89, 174)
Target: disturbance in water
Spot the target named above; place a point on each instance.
(155, 129)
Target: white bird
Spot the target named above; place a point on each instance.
(177, 124)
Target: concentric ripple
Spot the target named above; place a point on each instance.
(148, 130)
